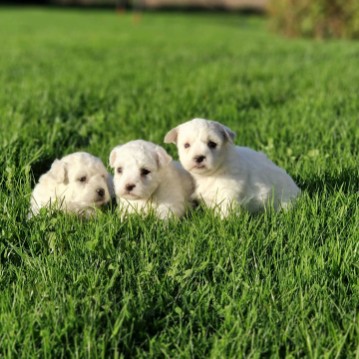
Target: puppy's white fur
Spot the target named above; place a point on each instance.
(226, 174)
(146, 178)
(77, 183)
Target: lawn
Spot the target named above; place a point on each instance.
(272, 285)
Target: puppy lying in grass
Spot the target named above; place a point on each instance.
(226, 174)
(146, 179)
(77, 183)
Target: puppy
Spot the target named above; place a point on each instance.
(77, 183)
(146, 178)
(226, 174)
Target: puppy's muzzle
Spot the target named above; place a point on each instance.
(129, 187)
(101, 192)
(199, 159)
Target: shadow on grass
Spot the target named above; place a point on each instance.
(44, 162)
(346, 181)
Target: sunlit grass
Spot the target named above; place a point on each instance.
(275, 285)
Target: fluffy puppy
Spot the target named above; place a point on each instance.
(76, 183)
(146, 178)
(226, 174)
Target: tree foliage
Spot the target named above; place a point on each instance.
(319, 18)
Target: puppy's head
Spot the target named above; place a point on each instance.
(201, 144)
(82, 180)
(137, 167)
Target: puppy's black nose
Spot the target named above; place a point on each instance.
(100, 192)
(199, 159)
(130, 187)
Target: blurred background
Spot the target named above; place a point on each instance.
(309, 18)
(252, 5)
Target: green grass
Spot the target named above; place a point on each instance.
(273, 285)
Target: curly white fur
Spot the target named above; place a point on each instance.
(77, 183)
(226, 174)
(146, 179)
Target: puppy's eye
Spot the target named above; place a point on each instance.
(145, 171)
(119, 170)
(212, 144)
(187, 145)
(82, 179)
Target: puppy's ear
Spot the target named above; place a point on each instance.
(58, 172)
(163, 158)
(171, 136)
(228, 134)
(113, 156)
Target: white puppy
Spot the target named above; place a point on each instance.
(76, 183)
(226, 174)
(147, 179)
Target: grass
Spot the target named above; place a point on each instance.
(273, 285)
